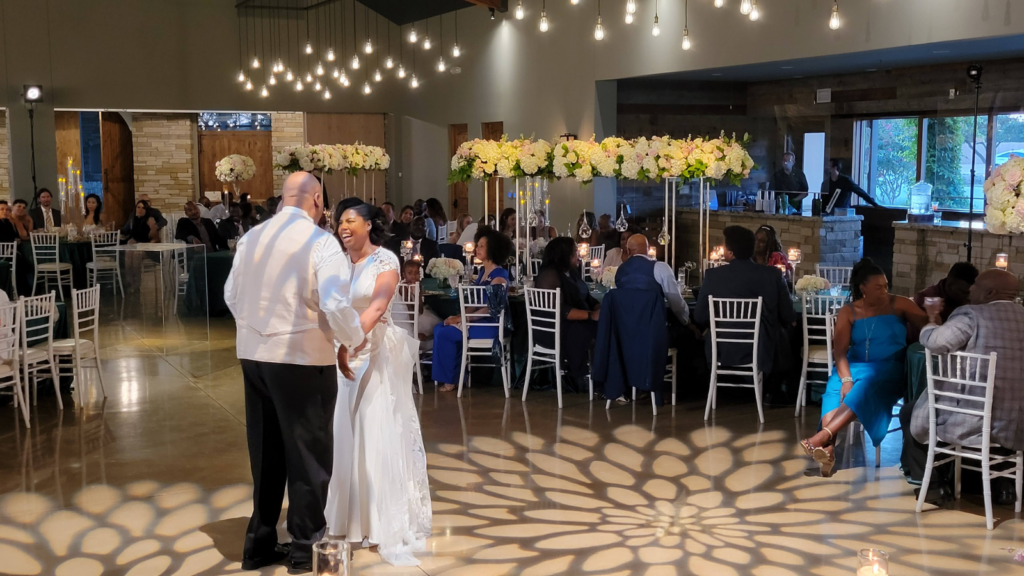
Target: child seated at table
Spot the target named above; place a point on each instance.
(412, 273)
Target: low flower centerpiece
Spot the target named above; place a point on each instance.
(608, 276)
(447, 271)
(809, 285)
(234, 169)
(1005, 211)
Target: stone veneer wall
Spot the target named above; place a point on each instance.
(164, 149)
(834, 240)
(5, 158)
(923, 253)
(287, 130)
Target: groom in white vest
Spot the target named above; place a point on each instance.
(289, 293)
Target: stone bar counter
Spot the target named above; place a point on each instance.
(828, 240)
(923, 253)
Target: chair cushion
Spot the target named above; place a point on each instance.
(5, 369)
(481, 342)
(34, 355)
(66, 346)
(818, 353)
(51, 266)
(102, 265)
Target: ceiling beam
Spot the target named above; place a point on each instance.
(499, 5)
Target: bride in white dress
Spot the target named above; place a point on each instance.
(378, 491)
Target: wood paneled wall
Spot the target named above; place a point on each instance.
(255, 144)
(118, 168)
(69, 140)
(458, 192)
(350, 129)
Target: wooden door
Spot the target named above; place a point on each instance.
(252, 143)
(494, 131)
(69, 143)
(118, 168)
(458, 193)
(366, 129)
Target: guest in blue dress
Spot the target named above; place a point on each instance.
(491, 247)
(870, 343)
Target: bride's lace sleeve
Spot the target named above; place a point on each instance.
(384, 260)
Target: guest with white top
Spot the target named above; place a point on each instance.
(289, 293)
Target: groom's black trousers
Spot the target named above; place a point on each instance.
(289, 414)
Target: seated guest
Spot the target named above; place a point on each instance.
(389, 213)
(22, 221)
(507, 222)
(249, 218)
(638, 262)
(194, 229)
(491, 247)
(420, 243)
(954, 289)
(768, 249)
(93, 213)
(743, 278)
(44, 216)
(461, 223)
(412, 273)
(992, 322)
(419, 207)
(870, 343)
(161, 222)
(616, 256)
(272, 203)
(607, 235)
(142, 227)
(542, 229)
(580, 311)
(231, 228)
(435, 219)
(8, 231)
(220, 211)
(406, 215)
(204, 207)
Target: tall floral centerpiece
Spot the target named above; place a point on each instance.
(1005, 211)
(234, 169)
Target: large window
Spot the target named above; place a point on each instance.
(948, 161)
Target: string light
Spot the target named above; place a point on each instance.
(401, 71)
(355, 62)
(241, 76)
(298, 85)
(336, 73)
(330, 54)
(255, 62)
(412, 35)
(686, 25)
(319, 69)
(309, 47)
(745, 7)
(368, 47)
(754, 12)
(599, 28)
(629, 18)
(630, 6)
(343, 79)
(389, 63)
(833, 21)
(656, 31)
(686, 39)
(426, 42)
(318, 87)
(520, 13)
(456, 51)
(309, 78)
(272, 80)
(289, 76)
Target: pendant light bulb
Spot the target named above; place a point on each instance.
(336, 73)
(327, 94)
(543, 21)
(298, 85)
(630, 6)
(426, 42)
(833, 21)
(686, 39)
(318, 87)
(412, 36)
(754, 12)
(599, 30)
(368, 47)
(272, 80)
(719, 3)
(330, 54)
(241, 76)
(401, 71)
(456, 51)
(309, 78)
(319, 69)
(520, 13)
(309, 47)
(745, 7)
(289, 76)
(389, 63)
(574, 2)
(656, 31)
(366, 88)
(255, 62)
(264, 92)
(414, 82)
(440, 65)
(355, 62)
(377, 76)
(248, 84)
(343, 79)
(629, 18)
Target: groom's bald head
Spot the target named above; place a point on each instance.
(302, 190)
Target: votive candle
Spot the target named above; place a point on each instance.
(795, 255)
(407, 244)
(1002, 260)
(469, 248)
(873, 562)
(418, 257)
(584, 250)
(652, 252)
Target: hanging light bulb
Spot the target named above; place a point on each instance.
(412, 35)
(520, 13)
(401, 71)
(389, 63)
(754, 12)
(298, 85)
(368, 47)
(264, 92)
(289, 76)
(686, 39)
(241, 76)
(309, 78)
(719, 3)
(336, 72)
(318, 87)
(255, 62)
(574, 2)
(343, 79)
(248, 84)
(272, 80)
(456, 51)
(440, 64)
(355, 62)
(309, 47)
(630, 6)
(599, 30)
(833, 21)
(543, 21)
(319, 69)
(426, 42)
(377, 76)
(629, 18)
(745, 7)
(327, 94)
(414, 82)
(656, 31)
(330, 54)
(366, 88)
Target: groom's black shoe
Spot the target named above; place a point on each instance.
(279, 553)
(300, 567)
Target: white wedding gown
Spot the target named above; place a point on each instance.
(379, 489)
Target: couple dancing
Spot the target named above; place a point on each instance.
(346, 442)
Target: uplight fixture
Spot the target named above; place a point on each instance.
(754, 12)
(520, 13)
(745, 7)
(833, 20)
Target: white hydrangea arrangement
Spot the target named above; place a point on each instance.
(235, 168)
(537, 247)
(444, 268)
(608, 276)
(328, 158)
(810, 284)
(480, 159)
(1005, 211)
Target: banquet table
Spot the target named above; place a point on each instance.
(218, 267)
(77, 253)
(914, 453)
(6, 281)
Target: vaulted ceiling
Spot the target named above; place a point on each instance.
(400, 12)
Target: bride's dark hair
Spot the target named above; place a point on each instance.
(368, 212)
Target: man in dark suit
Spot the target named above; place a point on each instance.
(44, 216)
(417, 232)
(232, 227)
(194, 229)
(744, 278)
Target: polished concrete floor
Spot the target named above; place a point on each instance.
(154, 480)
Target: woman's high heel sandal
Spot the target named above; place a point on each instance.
(822, 456)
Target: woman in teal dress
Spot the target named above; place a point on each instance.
(869, 343)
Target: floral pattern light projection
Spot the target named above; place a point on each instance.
(623, 502)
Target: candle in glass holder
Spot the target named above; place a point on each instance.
(873, 562)
(1002, 260)
(782, 268)
(584, 250)
(469, 248)
(330, 558)
(795, 255)
(652, 252)
(418, 257)
(407, 244)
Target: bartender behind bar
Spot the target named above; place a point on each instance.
(789, 179)
(837, 189)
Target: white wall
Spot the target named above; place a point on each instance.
(423, 171)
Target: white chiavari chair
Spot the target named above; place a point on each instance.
(10, 336)
(671, 370)
(104, 263)
(72, 353)
(819, 319)
(46, 253)
(179, 272)
(405, 313)
(535, 266)
(735, 321)
(475, 312)
(964, 383)
(837, 276)
(37, 317)
(9, 252)
(595, 253)
(544, 315)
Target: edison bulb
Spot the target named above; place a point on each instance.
(355, 62)
(599, 30)
(574, 2)
(686, 39)
(389, 63)
(833, 21)
(629, 18)
(745, 7)
(366, 88)
(426, 42)
(368, 47)
(656, 31)
(264, 92)
(401, 71)
(309, 78)
(319, 69)
(255, 62)
(318, 87)
(543, 21)
(336, 72)
(241, 76)
(630, 6)
(272, 80)
(343, 79)
(440, 65)
(520, 13)
(309, 47)
(412, 36)
(298, 86)
(330, 54)
(248, 84)
(327, 94)
(376, 76)
(414, 82)
(719, 3)
(289, 76)
(754, 13)
(456, 51)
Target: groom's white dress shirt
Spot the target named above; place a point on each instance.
(289, 293)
